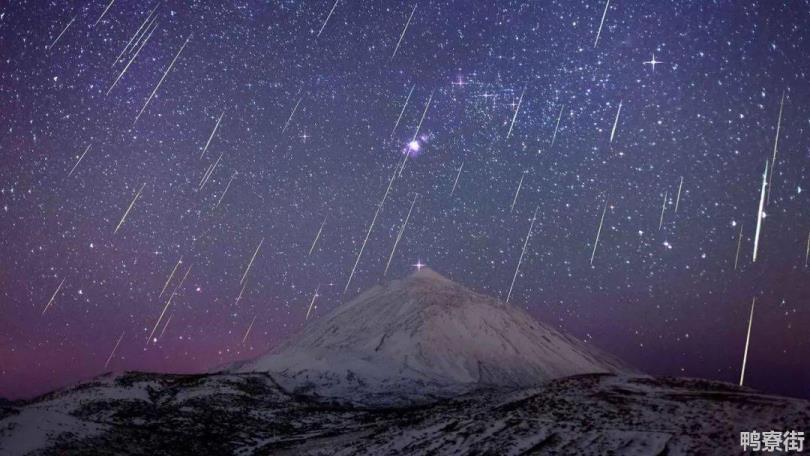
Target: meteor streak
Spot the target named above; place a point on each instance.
(109, 358)
(517, 192)
(205, 175)
(162, 78)
(241, 292)
(678, 199)
(517, 109)
(368, 233)
(166, 285)
(225, 192)
(403, 111)
(402, 35)
(615, 121)
(249, 328)
(663, 207)
(99, 19)
(210, 172)
(599, 32)
(775, 145)
(287, 123)
(137, 33)
(168, 302)
(424, 113)
(739, 243)
(317, 236)
(554, 137)
(456, 181)
(50, 301)
(416, 133)
(213, 132)
(327, 18)
(599, 232)
(163, 331)
(314, 297)
(60, 35)
(761, 211)
(137, 195)
(142, 34)
(747, 340)
(523, 252)
(399, 235)
(807, 251)
(247, 269)
(126, 67)
(80, 160)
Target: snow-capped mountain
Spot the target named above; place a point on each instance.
(422, 337)
(396, 347)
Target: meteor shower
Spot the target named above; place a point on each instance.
(425, 227)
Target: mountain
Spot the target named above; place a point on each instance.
(250, 414)
(419, 366)
(421, 338)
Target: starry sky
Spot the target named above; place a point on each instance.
(274, 124)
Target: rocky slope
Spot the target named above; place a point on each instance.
(250, 414)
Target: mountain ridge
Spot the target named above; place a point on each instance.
(139, 413)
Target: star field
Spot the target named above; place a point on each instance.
(305, 139)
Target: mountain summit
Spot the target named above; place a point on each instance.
(425, 337)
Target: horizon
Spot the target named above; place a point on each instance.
(423, 271)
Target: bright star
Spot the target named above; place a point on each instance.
(652, 62)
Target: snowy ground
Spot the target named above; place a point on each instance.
(250, 414)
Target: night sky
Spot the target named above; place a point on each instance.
(667, 300)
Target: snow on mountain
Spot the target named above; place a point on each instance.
(422, 337)
(250, 414)
(396, 347)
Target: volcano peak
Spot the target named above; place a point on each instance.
(425, 336)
